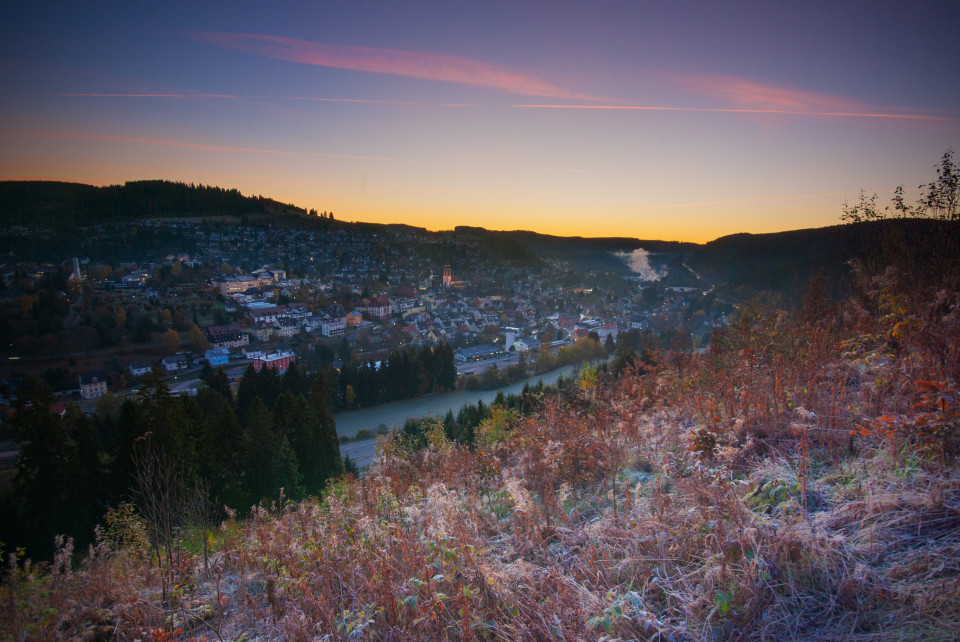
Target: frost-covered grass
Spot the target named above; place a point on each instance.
(797, 481)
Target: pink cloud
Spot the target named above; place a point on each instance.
(760, 96)
(847, 114)
(764, 98)
(388, 61)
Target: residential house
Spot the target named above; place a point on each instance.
(140, 368)
(263, 331)
(217, 356)
(93, 385)
(227, 336)
(267, 314)
(568, 320)
(333, 326)
(354, 318)
(174, 362)
(378, 307)
(277, 361)
(287, 327)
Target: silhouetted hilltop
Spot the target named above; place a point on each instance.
(786, 260)
(781, 261)
(56, 204)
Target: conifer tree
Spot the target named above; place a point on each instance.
(329, 464)
(218, 382)
(260, 446)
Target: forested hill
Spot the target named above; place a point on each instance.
(782, 261)
(55, 204)
(786, 260)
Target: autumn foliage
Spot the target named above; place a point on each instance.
(798, 479)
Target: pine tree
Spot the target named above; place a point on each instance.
(246, 392)
(260, 447)
(58, 475)
(329, 464)
(286, 472)
(218, 382)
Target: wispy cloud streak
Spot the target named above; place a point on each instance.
(791, 112)
(760, 96)
(388, 61)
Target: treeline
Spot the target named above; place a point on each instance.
(589, 349)
(60, 205)
(219, 450)
(405, 374)
(39, 318)
(461, 428)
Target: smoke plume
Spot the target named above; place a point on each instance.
(639, 263)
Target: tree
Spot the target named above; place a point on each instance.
(329, 464)
(941, 198)
(171, 341)
(198, 340)
(160, 496)
(58, 475)
(260, 447)
(219, 382)
(865, 209)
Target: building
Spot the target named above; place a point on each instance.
(217, 356)
(227, 336)
(447, 276)
(354, 319)
(378, 308)
(93, 385)
(267, 313)
(277, 361)
(263, 331)
(610, 328)
(526, 344)
(568, 320)
(174, 362)
(510, 335)
(287, 328)
(236, 284)
(479, 353)
(333, 327)
(140, 368)
(136, 278)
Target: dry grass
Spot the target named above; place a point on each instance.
(735, 495)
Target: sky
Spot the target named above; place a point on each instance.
(655, 120)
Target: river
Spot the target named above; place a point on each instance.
(396, 413)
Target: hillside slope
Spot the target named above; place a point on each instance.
(799, 480)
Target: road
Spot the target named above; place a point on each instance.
(395, 414)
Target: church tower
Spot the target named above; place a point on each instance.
(447, 276)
